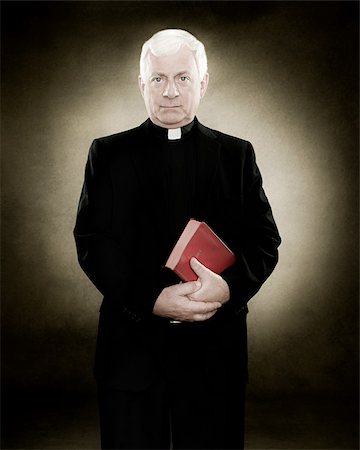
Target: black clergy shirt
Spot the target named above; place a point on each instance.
(177, 160)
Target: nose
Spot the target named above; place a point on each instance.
(171, 90)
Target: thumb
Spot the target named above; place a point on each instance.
(198, 268)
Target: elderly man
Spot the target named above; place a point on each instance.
(171, 357)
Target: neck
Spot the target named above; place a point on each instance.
(172, 126)
(172, 134)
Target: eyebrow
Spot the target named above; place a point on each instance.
(160, 74)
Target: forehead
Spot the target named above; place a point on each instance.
(183, 60)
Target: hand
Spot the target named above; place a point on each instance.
(174, 302)
(213, 287)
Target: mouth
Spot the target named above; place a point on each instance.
(170, 107)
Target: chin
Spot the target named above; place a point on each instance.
(173, 120)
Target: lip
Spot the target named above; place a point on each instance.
(170, 107)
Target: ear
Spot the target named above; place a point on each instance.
(204, 84)
(141, 85)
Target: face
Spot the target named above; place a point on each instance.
(172, 89)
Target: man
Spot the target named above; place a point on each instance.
(171, 360)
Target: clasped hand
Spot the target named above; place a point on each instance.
(195, 300)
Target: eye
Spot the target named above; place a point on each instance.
(157, 79)
(184, 78)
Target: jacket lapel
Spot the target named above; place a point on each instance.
(208, 159)
(145, 158)
(152, 200)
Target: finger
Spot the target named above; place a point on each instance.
(187, 288)
(198, 296)
(202, 317)
(198, 307)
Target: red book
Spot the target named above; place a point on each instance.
(199, 240)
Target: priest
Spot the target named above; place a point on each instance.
(171, 356)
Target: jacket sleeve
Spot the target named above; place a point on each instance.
(102, 251)
(256, 240)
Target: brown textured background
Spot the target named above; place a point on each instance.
(282, 75)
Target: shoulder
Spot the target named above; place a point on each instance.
(122, 137)
(223, 138)
(106, 148)
(229, 144)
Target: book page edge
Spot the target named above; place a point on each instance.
(182, 242)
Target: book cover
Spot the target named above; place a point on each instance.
(200, 241)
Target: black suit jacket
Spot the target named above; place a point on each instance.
(122, 241)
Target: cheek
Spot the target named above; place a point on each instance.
(193, 100)
(154, 99)
(151, 97)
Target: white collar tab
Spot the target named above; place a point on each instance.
(174, 133)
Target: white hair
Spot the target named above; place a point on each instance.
(167, 42)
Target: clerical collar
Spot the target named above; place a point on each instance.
(174, 133)
(171, 134)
